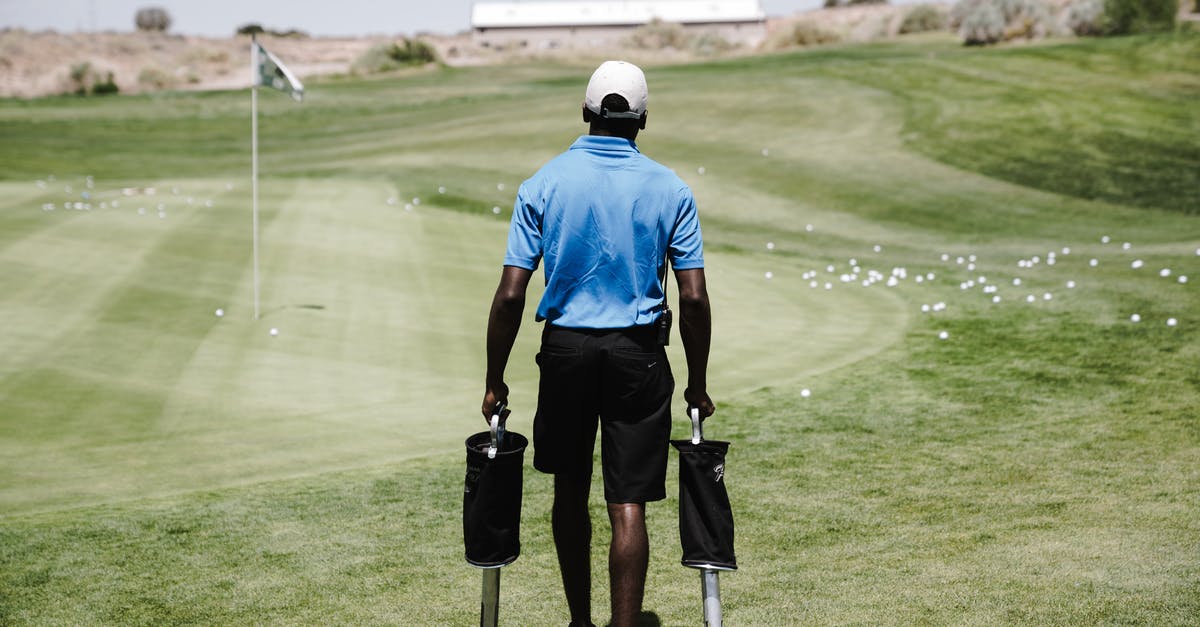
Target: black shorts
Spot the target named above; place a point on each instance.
(619, 379)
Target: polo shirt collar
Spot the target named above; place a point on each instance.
(608, 144)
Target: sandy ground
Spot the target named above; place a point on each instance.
(43, 63)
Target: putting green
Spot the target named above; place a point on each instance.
(138, 389)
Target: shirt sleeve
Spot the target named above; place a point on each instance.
(525, 232)
(686, 248)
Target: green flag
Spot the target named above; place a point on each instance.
(271, 72)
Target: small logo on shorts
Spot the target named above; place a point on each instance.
(718, 472)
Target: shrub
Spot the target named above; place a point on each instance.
(1138, 16)
(156, 78)
(809, 33)
(393, 56)
(982, 22)
(1085, 18)
(658, 35)
(106, 86)
(923, 18)
(250, 29)
(152, 19)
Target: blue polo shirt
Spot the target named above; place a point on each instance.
(603, 217)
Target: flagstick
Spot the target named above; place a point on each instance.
(254, 157)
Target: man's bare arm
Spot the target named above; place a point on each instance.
(504, 322)
(695, 327)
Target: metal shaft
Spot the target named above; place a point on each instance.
(711, 588)
(489, 606)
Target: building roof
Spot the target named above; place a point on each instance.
(612, 13)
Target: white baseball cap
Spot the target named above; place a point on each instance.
(621, 78)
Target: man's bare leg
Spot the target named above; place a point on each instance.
(628, 558)
(573, 540)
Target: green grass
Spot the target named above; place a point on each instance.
(159, 464)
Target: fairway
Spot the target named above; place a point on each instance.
(944, 248)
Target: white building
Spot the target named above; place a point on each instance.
(575, 24)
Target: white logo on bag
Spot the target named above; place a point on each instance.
(719, 471)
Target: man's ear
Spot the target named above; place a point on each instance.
(587, 114)
(645, 114)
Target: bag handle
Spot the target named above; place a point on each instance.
(697, 430)
(497, 429)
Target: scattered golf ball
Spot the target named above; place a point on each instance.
(944, 335)
(1198, 252)
(971, 267)
(274, 331)
(829, 286)
(416, 201)
(1070, 285)
(769, 274)
(1093, 262)
(1126, 246)
(809, 228)
(496, 210)
(441, 189)
(500, 187)
(1106, 239)
(1137, 263)
(1183, 278)
(1047, 296)
(391, 200)
(829, 268)
(700, 170)
(765, 152)
(1165, 272)
(929, 276)
(1172, 322)
(1066, 250)
(770, 245)
(805, 393)
(996, 299)
(1031, 298)
(220, 312)
(945, 257)
(812, 284)
(971, 258)
(1017, 281)
(878, 248)
(1135, 318)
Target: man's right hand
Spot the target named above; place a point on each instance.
(492, 397)
(701, 401)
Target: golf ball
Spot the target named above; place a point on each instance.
(441, 189)
(500, 187)
(1126, 246)
(1106, 239)
(995, 299)
(765, 152)
(769, 274)
(416, 201)
(1070, 285)
(1093, 262)
(1172, 322)
(700, 170)
(1066, 250)
(809, 228)
(770, 245)
(220, 312)
(1135, 318)
(1137, 263)
(1047, 296)
(1165, 272)
(806, 393)
(945, 257)
(878, 248)
(944, 335)
(496, 210)
(274, 331)
(1030, 298)
(929, 276)
(1183, 278)
(1017, 281)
